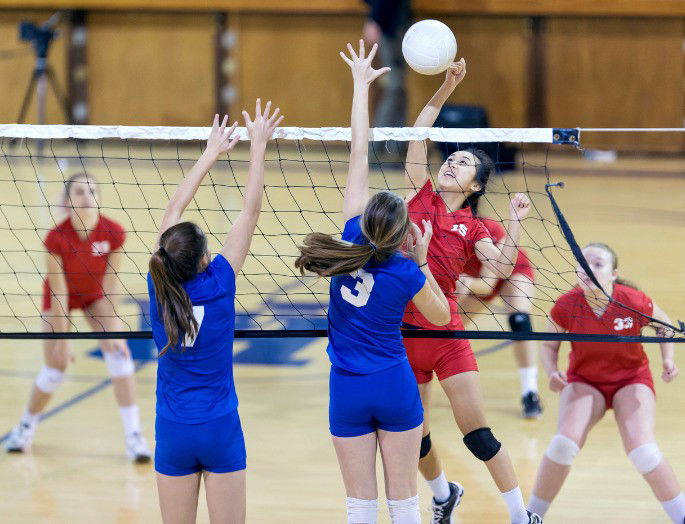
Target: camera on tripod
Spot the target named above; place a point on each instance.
(39, 36)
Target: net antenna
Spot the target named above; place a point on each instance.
(578, 254)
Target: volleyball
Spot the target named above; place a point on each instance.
(429, 47)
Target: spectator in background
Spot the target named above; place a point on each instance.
(387, 22)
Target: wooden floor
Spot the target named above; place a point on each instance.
(77, 472)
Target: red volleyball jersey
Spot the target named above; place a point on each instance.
(84, 260)
(455, 234)
(605, 361)
(497, 232)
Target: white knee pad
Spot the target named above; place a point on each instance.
(646, 458)
(119, 365)
(405, 511)
(562, 450)
(360, 511)
(49, 379)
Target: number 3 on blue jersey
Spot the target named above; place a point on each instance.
(358, 296)
(199, 314)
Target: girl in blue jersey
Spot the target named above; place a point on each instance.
(374, 398)
(197, 428)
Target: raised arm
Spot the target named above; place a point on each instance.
(239, 237)
(670, 370)
(416, 165)
(500, 259)
(219, 142)
(357, 186)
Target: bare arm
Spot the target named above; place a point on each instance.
(239, 237)
(416, 165)
(59, 309)
(500, 259)
(549, 355)
(110, 282)
(670, 370)
(482, 285)
(357, 185)
(430, 300)
(219, 142)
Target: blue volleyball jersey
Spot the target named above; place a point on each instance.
(366, 308)
(196, 385)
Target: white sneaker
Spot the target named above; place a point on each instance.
(20, 438)
(137, 449)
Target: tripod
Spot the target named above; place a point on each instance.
(43, 76)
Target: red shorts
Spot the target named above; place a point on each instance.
(609, 389)
(75, 301)
(444, 356)
(524, 269)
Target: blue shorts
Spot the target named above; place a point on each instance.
(216, 446)
(360, 404)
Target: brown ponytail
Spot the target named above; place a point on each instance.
(614, 263)
(384, 223)
(181, 248)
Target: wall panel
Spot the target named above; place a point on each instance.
(151, 69)
(617, 73)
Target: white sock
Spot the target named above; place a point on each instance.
(130, 417)
(440, 488)
(538, 505)
(360, 511)
(30, 419)
(529, 379)
(405, 511)
(675, 508)
(514, 501)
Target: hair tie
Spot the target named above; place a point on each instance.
(373, 247)
(163, 252)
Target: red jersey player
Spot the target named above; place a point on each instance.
(477, 286)
(84, 255)
(458, 235)
(604, 375)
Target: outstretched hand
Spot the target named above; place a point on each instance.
(262, 127)
(362, 71)
(220, 139)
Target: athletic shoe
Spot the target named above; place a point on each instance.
(442, 511)
(530, 405)
(137, 449)
(534, 518)
(19, 440)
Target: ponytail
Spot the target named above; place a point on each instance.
(384, 223)
(326, 256)
(176, 261)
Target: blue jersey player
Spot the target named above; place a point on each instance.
(374, 399)
(197, 426)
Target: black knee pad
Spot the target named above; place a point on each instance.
(520, 322)
(425, 445)
(482, 443)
